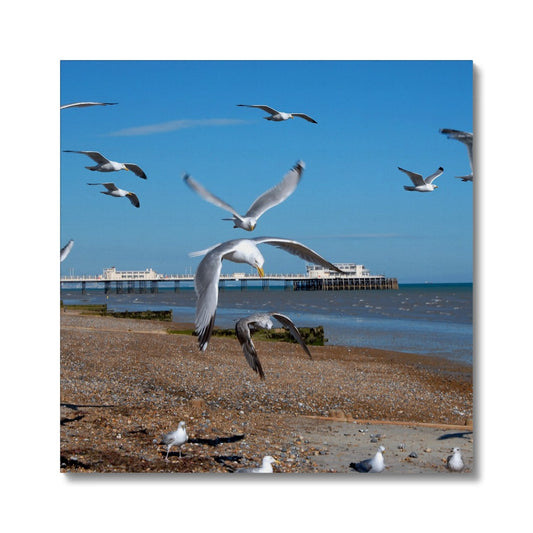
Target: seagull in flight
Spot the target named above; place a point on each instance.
(175, 438)
(65, 250)
(113, 190)
(245, 326)
(374, 465)
(279, 116)
(265, 468)
(106, 165)
(421, 184)
(466, 138)
(86, 104)
(239, 251)
(263, 203)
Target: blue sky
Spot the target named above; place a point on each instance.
(174, 117)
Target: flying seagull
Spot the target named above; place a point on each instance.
(86, 104)
(113, 190)
(245, 326)
(268, 199)
(265, 468)
(65, 250)
(238, 251)
(466, 138)
(421, 184)
(455, 462)
(278, 116)
(175, 438)
(374, 465)
(105, 165)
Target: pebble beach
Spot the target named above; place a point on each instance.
(125, 383)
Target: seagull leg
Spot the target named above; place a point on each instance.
(168, 449)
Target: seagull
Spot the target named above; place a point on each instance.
(238, 251)
(113, 190)
(243, 330)
(421, 184)
(175, 438)
(278, 116)
(87, 104)
(105, 165)
(374, 465)
(263, 203)
(455, 462)
(466, 138)
(265, 468)
(65, 250)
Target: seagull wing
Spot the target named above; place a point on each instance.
(95, 156)
(108, 186)
(287, 322)
(132, 197)
(206, 195)
(277, 194)
(263, 107)
(87, 104)
(434, 176)
(242, 330)
(136, 169)
(306, 117)
(417, 179)
(463, 136)
(362, 466)
(206, 287)
(66, 250)
(296, 248)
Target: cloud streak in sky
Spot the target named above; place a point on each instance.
(173, 125)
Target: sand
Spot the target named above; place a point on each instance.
(125, 383)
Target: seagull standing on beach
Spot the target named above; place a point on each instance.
(239, 251)
(86, 104)
(268, 199)
(265, 468)
(175, 438)
(65, 250)
(455, 462)
(421, 184)
(113, 190)
(262, 320)
(374, 465)
(279, 116)
(106, 165)
(467, 139)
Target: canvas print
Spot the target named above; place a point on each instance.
(267, 267)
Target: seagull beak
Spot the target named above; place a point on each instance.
(261, 272)
(252, 228)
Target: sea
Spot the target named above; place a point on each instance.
(426, 319)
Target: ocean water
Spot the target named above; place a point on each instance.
(427, 319)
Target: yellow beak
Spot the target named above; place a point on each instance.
(261, 272)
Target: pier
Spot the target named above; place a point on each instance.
(316, 279)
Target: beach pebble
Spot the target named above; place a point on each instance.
(414, 455)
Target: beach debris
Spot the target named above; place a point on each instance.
(373, 465)
(454, 462)
(174, 438)
(413, 455)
